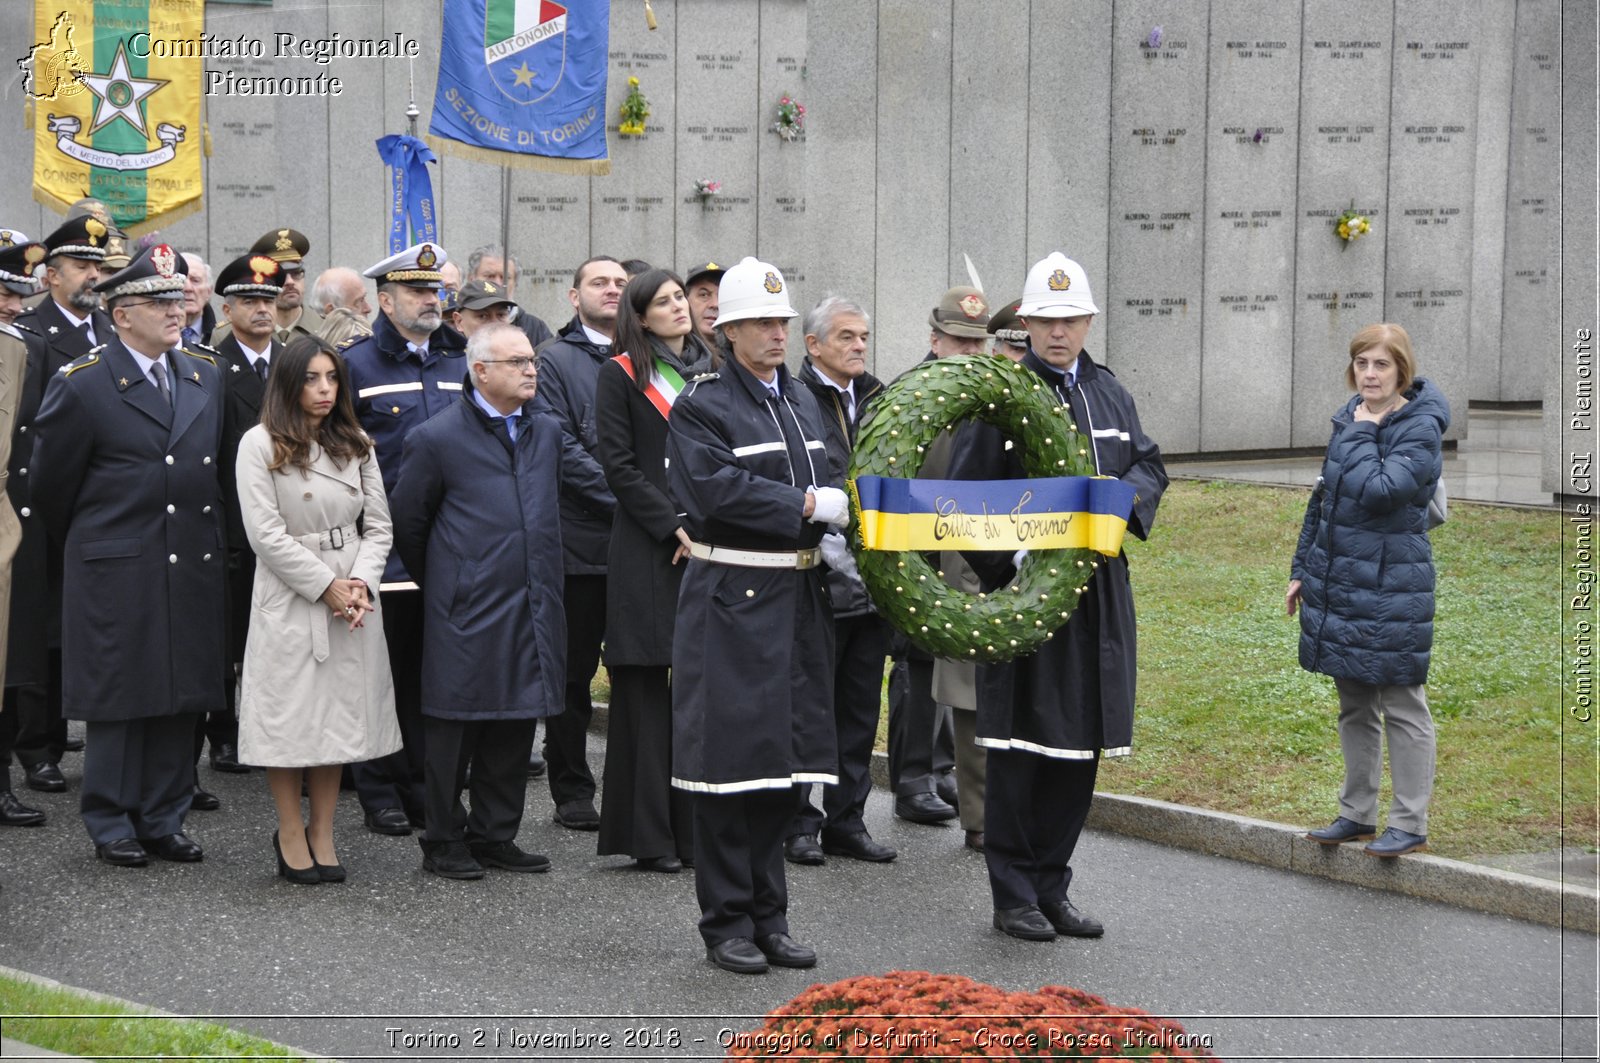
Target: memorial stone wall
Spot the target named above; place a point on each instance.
(1193, 155)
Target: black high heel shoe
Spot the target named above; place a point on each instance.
(328, 872)
(302, 876)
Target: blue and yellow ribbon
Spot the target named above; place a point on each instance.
(1058, 513)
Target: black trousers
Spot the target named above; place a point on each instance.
(738, 863)
(643, 815)
(497, 751)
(222, 726)
(921, 733)
(396, 781)
(566, 736)
(1033, 813)
(860, 644)
(41, 729)
(138, 777)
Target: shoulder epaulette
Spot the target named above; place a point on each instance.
(197, 354)
(17, 324)
(710, 374)
(350, 341)
(84, 362)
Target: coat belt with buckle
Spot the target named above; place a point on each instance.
(727, 555)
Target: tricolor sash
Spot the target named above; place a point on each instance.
(664, 386)
(1053, 513)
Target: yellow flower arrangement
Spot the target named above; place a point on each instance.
(634, 110)
(1352, 225)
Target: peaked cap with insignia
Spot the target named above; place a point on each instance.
(82, 237)
(481, 295)
(415, 267)
(19, 256)
(252, 274)
(284, 246)
(157, 272)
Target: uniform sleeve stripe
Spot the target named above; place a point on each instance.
(1111, 433)
(389, 389)
(444, 386)
(757, 448)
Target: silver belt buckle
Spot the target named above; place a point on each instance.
(336, 538)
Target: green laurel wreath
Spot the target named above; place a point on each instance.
(907, 590)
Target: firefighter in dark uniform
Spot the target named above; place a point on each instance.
(1048, 718)
(22, 357)
(752, 658)
(409, 369)
(127, 478)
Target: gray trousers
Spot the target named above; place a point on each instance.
(1366, 714)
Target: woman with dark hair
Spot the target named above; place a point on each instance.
(642, 815)
(1363, 580)
(316, 691)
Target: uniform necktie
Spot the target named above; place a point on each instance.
(261, 368)
(87, 333)
(190, 336)
(159, 372)
(284, 336)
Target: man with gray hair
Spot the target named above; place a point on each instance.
(491, 263)
(340, 286)
(477, 523)
(835, 370)
(198, 317)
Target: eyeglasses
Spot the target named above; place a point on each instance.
(521, 365)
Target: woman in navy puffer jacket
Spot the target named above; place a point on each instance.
(1363, 577)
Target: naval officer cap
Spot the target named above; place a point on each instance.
(19, 256)
(253, 274)
(964, 312)
(286, 247)
(415, 267)
(157, 272)
(84, 237)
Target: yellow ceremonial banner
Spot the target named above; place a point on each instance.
(115, 87)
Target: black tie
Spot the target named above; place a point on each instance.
(261, 368)
(159, 371)
(88, 336)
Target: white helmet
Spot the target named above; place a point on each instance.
(1056, 287)
(752, 289)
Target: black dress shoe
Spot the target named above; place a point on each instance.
(450, 860)
(179, 848)
(945, 787)
(124, 852)
(388, 821)
(857, 845)
(204, 801)
(73, 745)
(225, 758)
(923, 808)
(578, 815)
(507, 856)
(666, 865)
(45, 777)
(14, 813)
(781, 950)
(974, 841)
(1066, 918)
(738, 955)
(1026, 922)
(803, 849)
(536, 765)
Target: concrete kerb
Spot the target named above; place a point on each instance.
(1485, 889)
(13, 1049)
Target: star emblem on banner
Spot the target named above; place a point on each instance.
(118, 94)
(523, 75)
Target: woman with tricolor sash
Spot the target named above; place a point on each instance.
(643, 816)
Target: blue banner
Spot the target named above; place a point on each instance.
(410, 192)
(1046, 513)
(523, 83)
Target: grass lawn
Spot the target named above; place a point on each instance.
(115, 1032)
(1227, 720)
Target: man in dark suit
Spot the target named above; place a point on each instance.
(249, 286)
(127, 479)
(70, 321)
(22, 354)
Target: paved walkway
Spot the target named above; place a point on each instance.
(1269, 963)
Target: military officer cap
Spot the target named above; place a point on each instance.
(480, 295)
(415, 267)
(284, 246)
(708, 271)
(157, 272)
(18, 258)
(252, 274)
(117, 250)
(91, 207)
(82, 237)
(962, 312)
(1006, 326)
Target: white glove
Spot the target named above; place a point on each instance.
(1018, 558)
(832, 507)
(836, 552)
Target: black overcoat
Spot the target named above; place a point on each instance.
(569, 367)
(132, 488)
(476, 525)
(1074, 695)
(642, 582)
(752, 660)
(35, 623)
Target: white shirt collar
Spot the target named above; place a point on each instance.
(265, 352)
(145, 363)
(72, 319)
(599, 339)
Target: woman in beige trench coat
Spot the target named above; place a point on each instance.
(316, 689)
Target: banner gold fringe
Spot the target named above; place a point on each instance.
(446, 146)
(27, 113)
(61, 206)
(205, 137)
(649, 15)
